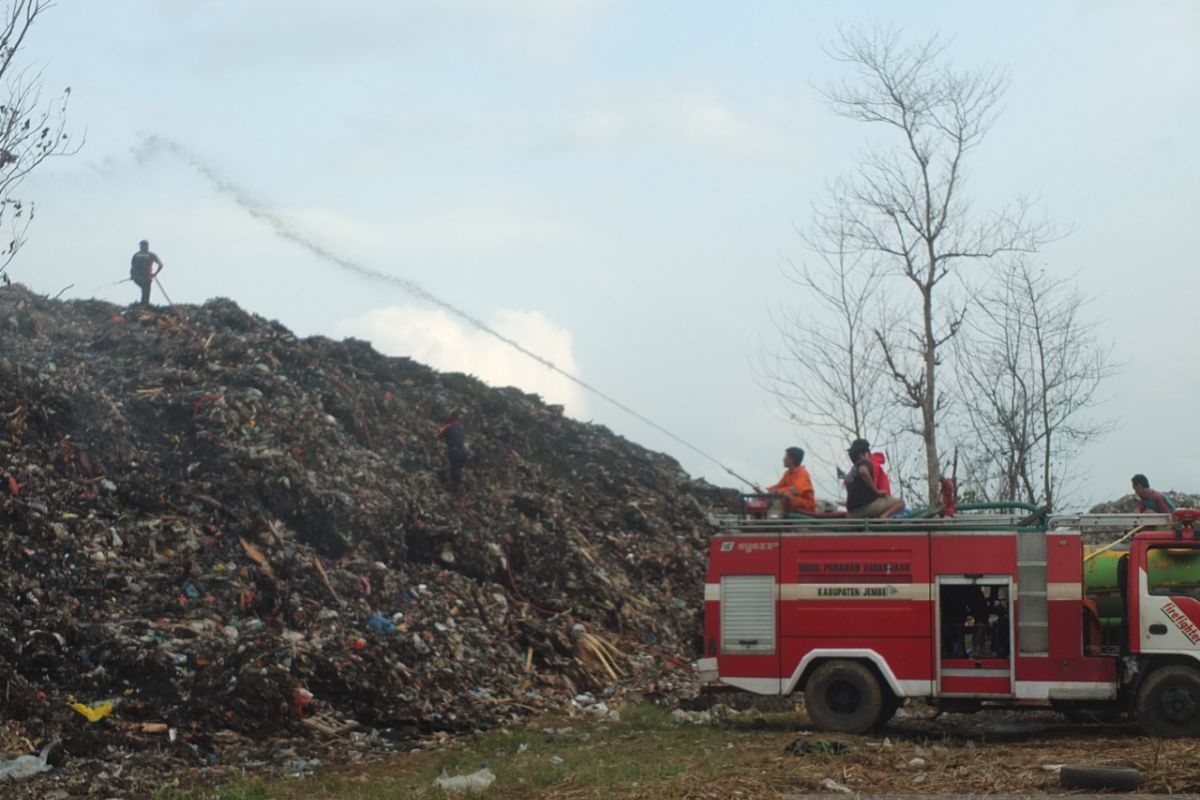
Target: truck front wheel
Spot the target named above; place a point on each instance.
(843, 696)
(1168, 703)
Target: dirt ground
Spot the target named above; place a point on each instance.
(649, 753)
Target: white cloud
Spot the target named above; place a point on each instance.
(435, 338)
(699, 120)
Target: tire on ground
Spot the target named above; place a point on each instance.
(844, 696)
(1123, 778)
(891, 704)
(1168, 703)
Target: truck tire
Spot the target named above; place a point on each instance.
(1122, 778)
(843, 696)
(1168, 704)
(891, 704)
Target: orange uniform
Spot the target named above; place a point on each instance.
(797, 487)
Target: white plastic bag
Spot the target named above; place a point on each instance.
(21, 767)
(475, 782)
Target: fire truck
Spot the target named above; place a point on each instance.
(995, 608)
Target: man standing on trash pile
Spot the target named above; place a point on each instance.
(141, 269)
(795, 485)
(456, 446)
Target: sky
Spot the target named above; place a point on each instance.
(614, 185)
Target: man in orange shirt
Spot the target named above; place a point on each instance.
(795, 484)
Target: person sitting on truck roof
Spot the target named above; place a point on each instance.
(795, 485)
(878, 459)
(863, 497)
(1148, 499)
(881, 477)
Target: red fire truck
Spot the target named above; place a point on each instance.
(979, 609)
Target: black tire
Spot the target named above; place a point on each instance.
(1168, 704)
(1121, 778)
(843, 696)
(891, 704)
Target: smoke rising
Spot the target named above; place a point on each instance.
(155, 145)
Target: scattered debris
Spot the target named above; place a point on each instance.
(15, 769)
(803, 746)
(477, 781)
(1087, 777)
(834, 786)
(242, 534)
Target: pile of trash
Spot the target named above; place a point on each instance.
(1129, 503)
(212, 530)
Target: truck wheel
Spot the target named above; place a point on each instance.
(891, 704)
(843, 696)
(1168, 703)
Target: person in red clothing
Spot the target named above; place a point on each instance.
(882, 481)
(795, 484)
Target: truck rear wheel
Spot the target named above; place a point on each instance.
(891, 704)
(1168, 703)
(843, 696)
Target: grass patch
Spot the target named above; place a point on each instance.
(644, 754)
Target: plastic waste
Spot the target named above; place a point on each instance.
(381, 625)
(298, 767)
(475, 782)
(93, 713)
(834, 786)
(21, 767)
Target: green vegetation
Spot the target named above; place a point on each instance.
(645, 754)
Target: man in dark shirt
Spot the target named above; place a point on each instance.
(863, 497)
(1150, 500)
(456, 446)
(141, 269)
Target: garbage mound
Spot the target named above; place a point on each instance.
(210, 527)
(1129, 503)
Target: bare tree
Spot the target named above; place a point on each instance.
(30, 131)
(1030, 368)
(825, 371)
(907, 208)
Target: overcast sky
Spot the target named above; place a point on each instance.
(614, 185)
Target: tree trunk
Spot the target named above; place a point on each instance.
(929, 403)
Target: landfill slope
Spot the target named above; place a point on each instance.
(227, 530)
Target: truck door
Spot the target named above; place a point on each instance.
(1168, 618)
(974, 635)
(745, 581)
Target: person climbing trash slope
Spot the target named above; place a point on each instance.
(456, 446)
